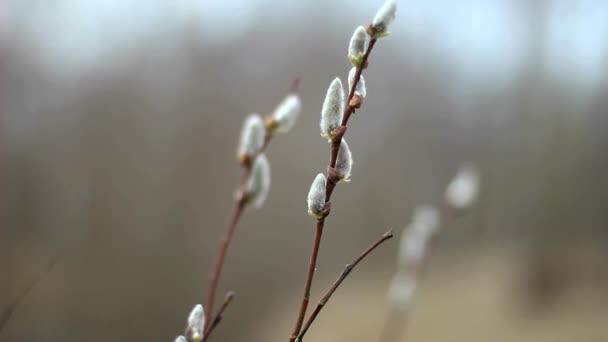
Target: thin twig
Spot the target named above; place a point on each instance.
(295, 85)
(10, 310)
(341, 278)
(237, 211)
(218, 318)
(331, 184)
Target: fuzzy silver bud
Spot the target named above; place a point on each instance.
(316, 196)
(412, 247)
(285, 115)
(180, 339)
(357, 46)
(426, 219)
(333, 108)
(360, 89)
(344, 161)
(464, 187)
(258, 184)
(384, 17)
(196, 324)
(252, 138)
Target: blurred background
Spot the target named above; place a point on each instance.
(118, 127)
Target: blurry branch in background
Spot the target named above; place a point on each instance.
(255, 136)
(7, 313)
(415, 247)
(335, 113)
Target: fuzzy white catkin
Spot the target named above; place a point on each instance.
(412, 247)
(252, 136)
(385, 16)
(360, 89)
(426, 219)
(196, 323)
(344, 161)
(180, 339)
(416, 237)
(464, 187)
(357, 45)
(316, 196)
(333, 108)
(402, 292)
(286, 114)
(258, 184)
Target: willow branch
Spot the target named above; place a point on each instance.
(331, 184)
(237, 211)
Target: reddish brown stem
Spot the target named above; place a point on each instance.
(218, 318)
(341, 278)
(6, 314)
(214, 275)
(331, 183)
(312, 265)
(295, 85)
(237, 211)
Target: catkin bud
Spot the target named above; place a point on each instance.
(383, 18)
(258, 183)
(412, 247)
(426, 219)
(360, 90)
(180, 339)
(316, 197)
(416, 237)
(463, 189)
(402, 292)
(333, 109)
(285, 115)
(252, 139)
(196, 324)
(344, 161)
(357, 45)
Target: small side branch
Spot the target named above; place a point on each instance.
(7, 313)
(341, 278)
(218, 317)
